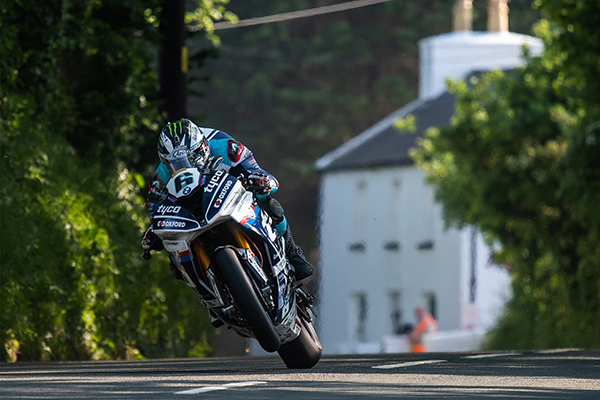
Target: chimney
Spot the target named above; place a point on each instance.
(497, 16)
(463, 15)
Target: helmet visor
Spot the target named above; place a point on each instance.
(177, 160)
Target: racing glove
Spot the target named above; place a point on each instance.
(150, 241)
(259, 183)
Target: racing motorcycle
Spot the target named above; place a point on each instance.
(231, 256)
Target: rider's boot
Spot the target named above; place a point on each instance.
(302, 268)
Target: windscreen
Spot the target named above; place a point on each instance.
(177, 160)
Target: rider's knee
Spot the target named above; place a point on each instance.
(276, 212)
(274, 209)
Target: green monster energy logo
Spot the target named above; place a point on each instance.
(175, 130)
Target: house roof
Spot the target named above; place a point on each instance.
(382, 144)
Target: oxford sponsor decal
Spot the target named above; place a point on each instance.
(162, 209)
(223, 193)
(170, 224)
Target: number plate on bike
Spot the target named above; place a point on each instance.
(184, 182)
(175, 245)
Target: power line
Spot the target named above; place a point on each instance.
(311, 12)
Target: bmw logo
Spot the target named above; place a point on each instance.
(186, 190)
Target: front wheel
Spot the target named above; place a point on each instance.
(304, 351)
(245, 298)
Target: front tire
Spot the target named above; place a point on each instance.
(304, 351)
(245, 298)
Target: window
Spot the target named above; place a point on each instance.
(431, 304)
(395, 311)
(394, 207)
(393, 218)
(359, 233)
(358, 317)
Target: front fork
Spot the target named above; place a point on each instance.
(305, 303)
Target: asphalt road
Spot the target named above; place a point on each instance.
(558, 374)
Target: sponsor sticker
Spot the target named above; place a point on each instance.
(175, 245)
(162, 209)
(171, 224)
(235, 150)
(214, 181)
(223, 193)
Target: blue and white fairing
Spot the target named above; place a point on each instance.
(231, 200)
(223, 198)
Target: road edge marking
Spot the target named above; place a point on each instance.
(408, 364)
(555, 351)
(487, 355)
(226, 386)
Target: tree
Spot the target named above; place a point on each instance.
(78, 124)
(520, 162)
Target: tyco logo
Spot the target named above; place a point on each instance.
(214, 181)
(162, 209)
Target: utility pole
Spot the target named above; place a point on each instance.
(173, 58)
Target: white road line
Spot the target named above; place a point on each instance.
(408, 364)
(206, 389)
(202, 390)
(554, 351)
(492, 355)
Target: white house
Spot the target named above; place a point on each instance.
(383, 247)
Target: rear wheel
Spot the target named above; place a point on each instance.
(245, 298)
(304, 351)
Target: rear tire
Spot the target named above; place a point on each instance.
(304, 351)
(242, 290)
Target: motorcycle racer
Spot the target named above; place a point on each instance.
(202, 144)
